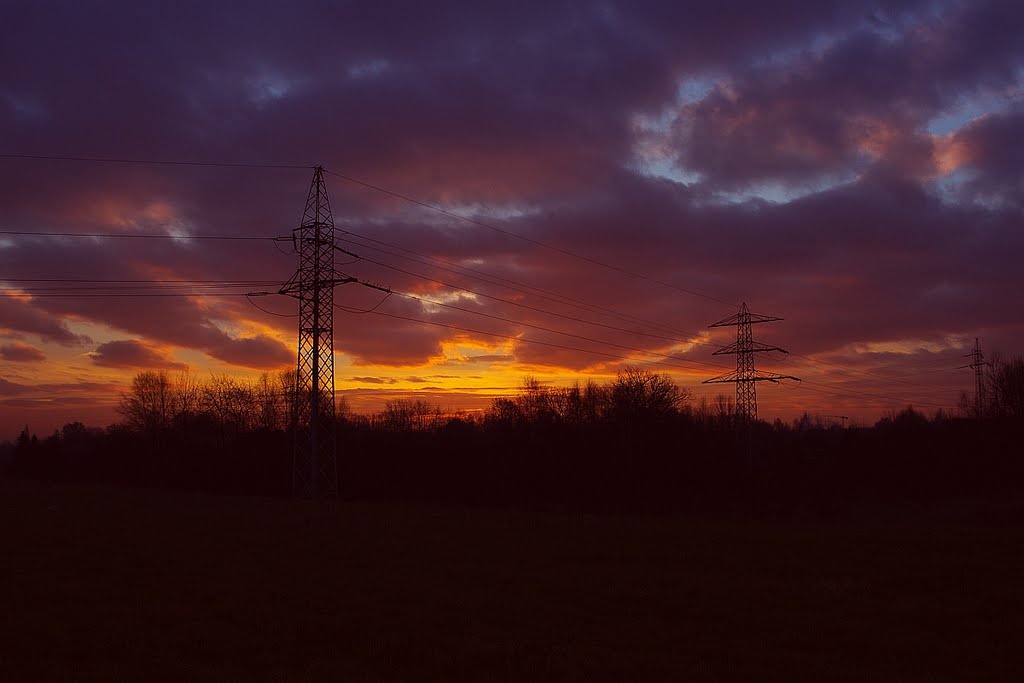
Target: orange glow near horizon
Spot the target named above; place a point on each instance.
(70, 386)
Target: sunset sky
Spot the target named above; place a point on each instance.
(852, 167)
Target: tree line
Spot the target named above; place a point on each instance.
(637, 441)
(158, 403)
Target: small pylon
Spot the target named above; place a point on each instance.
(746, 376)
(978, 365)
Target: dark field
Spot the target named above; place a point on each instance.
(108, 584)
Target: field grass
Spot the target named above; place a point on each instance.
(108, 584)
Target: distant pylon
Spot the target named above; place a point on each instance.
(315, 460)
(978, 365)
(746, 377)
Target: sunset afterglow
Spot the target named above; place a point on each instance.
(550, 191)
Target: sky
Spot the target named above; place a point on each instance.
(632, 172)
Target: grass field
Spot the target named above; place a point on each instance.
(108, 584)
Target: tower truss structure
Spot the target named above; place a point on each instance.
(978, 364)
(746, 376)
(315, 460)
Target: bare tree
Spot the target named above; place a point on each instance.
(504, 411)
(231, 403)
(402, 415)
(288, 387)
(1004, 389)
(269, 402)
(642, 394)
(148, 404)
(534, 401)
(186, 392)
(342, 409)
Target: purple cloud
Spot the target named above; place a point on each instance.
(802, 173)
(21, 353)
(132, 353)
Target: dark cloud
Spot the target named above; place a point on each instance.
(132, 353)
(373, 380)
(260, 352)
(62, 391)
(8, 388)
(544, 119)
(21, 353)
(19, 315)
(486, 358)
(981, 147)
(865, 99)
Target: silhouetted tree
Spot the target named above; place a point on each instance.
(232, 404)
(7, 451)
(288, 388)
(535, 403)
(905, 419)
(147, 406)
(504, 412)
(1004, 389)
(269, 402)
(405, 415)
(186, 393)
(638, 394)
(579, 405)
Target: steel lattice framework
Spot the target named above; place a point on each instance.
(978, 365)
(315, 461)
(746, 376)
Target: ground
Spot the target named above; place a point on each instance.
(121, 584)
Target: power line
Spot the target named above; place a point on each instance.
(77, 292)
(248, 297)
(883, 397)
(74, 295)
(838, 394)
(140, 287)
(512, 337)
(154, 162)
(96, 288)
(530, 240)
(554, 331)
(514, 285)
(805, 359)
(696, 341)
(527, 306)
(169, 162)
(866, 373)
(144, 281)
(361, 311)
(135, 235)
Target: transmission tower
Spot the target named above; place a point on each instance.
(746, 377)
(978, 365)
(315, 460)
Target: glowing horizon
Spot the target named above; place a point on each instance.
(851, 169)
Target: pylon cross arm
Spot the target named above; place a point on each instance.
(757, 376)
(754, 346)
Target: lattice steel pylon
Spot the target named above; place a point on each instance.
(746, 376)
(315, 459)
(978, 365)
